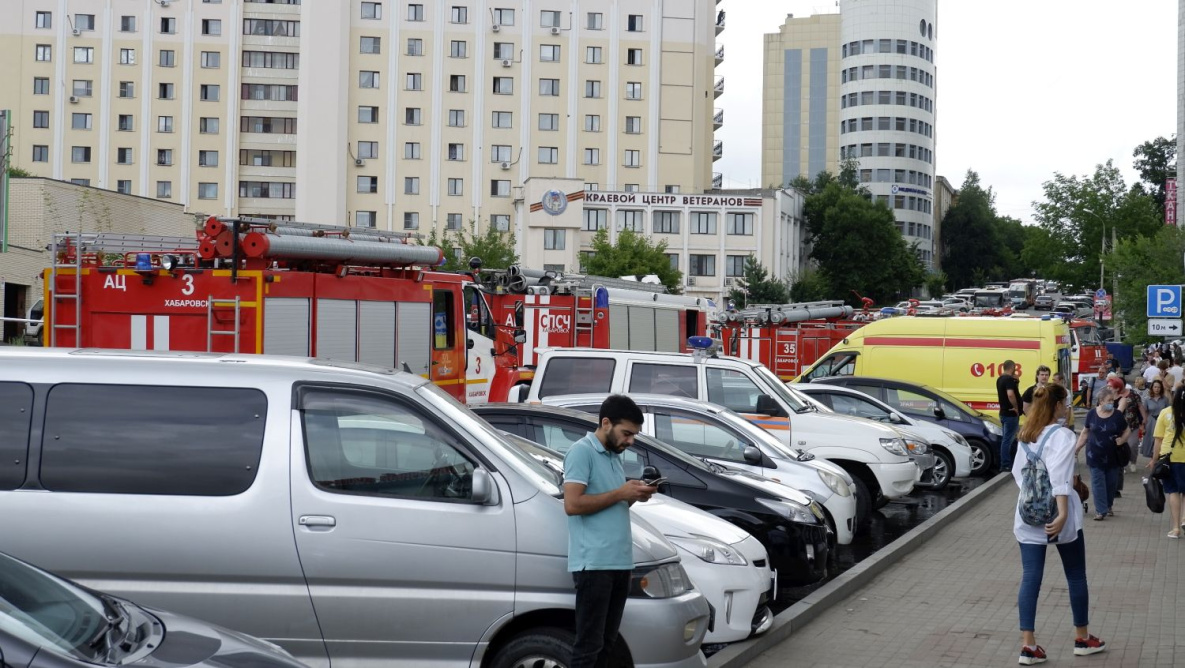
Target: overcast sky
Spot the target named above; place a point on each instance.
(1025, 88)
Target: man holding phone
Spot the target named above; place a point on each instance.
(597, 498)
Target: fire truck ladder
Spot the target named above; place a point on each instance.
(585, 318)
(58, 298)
(211, 332)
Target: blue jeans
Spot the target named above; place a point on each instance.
(1032, 561)
(600, 603)
(1103, 483)
(1011, 425)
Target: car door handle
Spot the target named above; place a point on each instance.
(317, 521)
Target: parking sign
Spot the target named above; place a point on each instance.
(1164, 301)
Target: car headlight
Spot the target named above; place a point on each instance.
(710, 550)
(835, 483)
(895, 446)
(993, 428)
(916, 447)
(663, 581)
(955, 436)
(793, 511)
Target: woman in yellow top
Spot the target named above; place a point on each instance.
(1169, 439)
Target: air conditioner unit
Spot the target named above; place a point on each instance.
(496, 27)
(505, 166)
(555, 30)
(691, 281)
(506, 62)
(77, 32)
(74, 99)
(358, 162)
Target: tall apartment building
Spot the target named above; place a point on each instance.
(861, 85)
(403, 116)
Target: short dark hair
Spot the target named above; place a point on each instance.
(1008, 365)
(618, 407)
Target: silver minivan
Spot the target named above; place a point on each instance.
(354, 516)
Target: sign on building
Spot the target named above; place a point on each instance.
(1170, 201)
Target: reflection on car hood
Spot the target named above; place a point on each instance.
(675, 518)
(190, 642)
(649, 545)
(885, 431)
(767, 485)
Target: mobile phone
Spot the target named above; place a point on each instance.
(1052, 539)
(656, 482)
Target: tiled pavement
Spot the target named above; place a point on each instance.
(952, 602)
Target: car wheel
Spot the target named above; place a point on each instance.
(542, 648)
(863, 503)
(944, 467)
(981, 457)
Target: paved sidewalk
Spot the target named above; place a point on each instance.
(952, 602)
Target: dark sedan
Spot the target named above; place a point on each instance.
(787, 522)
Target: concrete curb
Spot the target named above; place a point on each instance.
(802, 613)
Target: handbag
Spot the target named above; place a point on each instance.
(1161, 470)
(1154, 494)
(1081, 488)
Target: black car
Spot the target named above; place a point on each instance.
(786, 521)
(51, 622)
(934, 405)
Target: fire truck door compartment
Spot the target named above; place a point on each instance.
(287, 328)
(376, 333)
(667, 331)
(413, 336)
(337, 329)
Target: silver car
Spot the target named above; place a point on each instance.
(350, 514)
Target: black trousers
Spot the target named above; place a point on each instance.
(600, 602)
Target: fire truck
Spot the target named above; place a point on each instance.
(285, 288)
(788, 338)
(1087, 350)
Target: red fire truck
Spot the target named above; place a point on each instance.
(1087, 350)
(254, 286)
(788, 338)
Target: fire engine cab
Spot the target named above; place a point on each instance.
(788, 338)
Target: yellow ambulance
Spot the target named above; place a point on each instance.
(962, 356)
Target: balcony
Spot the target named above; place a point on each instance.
(718, 88)
(717, 150)
(720, 22)
(720, 54)
(717, 180)
(718, 119)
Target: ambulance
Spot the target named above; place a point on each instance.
(962, 356)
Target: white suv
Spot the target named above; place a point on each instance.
(884, 463)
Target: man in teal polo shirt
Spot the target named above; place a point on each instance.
(597, 498)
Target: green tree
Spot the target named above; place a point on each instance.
(1142, 261)
(632, 255)
(936, 284)
(973, 246)
(17, 172)
(809, 285)
(1156, 161)
(496, 249)
(760, 287)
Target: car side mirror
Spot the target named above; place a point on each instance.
(520, 336)
(767, 406)
(939, 413)
(484, 489)
(650, 473)
(469, 344)
(518, 394)
(896, 418)
(752, 455)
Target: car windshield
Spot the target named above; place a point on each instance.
(551, 460)
(791, 398)
(1087, 335)
(45, 610)
(987, 300)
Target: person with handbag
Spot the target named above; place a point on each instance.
(1104, 436)
(1131, 404)
(1169, 439)
(1046, 442)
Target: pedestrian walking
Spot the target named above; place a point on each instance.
(1068, 421)
(1152, 372)
(1104, 433)
(1132, 406)
(597, 498)
(1140, 386)
(1169, 439)
(1094, 384)
(1176, 371)
(1042, 434)
(1008, 395)
(1026, 399)
(1156, 401)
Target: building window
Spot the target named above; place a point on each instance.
(207, 191)
(734, 265)
(84, 22)
(549, 87)
(593, 55)
(411, 220)
(127, 56)
(456, 83)
(211, 27)
(631, 187)
(503, 51)
(633, 158)
(164, 123)
(365, 218)
(127, 24)
(554, 239)
(275, 60)
(267, 190)
(168, 25)
(125, 123)
(456, 152)
(666, 222)
(503, 85)
(368, 149)
(211, 59)
(500, 153)
(371, 45)
(702, 265)
(459, 15)
(165, 91)
(415, 46)
(503, 119)
(592, 156)
(41, 119)
(592, 88)
(368, 184)
(80, 121)
(458, 48)
(633, 125)
(499, 188)
(456, 118)
(633, 90)
(123, 187)
(40, 153)
(209, 92)
(164, 189)
(372, 10)
(123, 156)
(503, 17)
(739, 223)
(368, 114)
(549, 53)
(592, 123)
(208, 125)
(43, 20)
(81, 182)
(411, 116)
(596, 21)
(630, 219)
(411, 185)
(164, 157)
(84, 54)
(633, 56)
(549, 121)
(595, 219)
(501, 222)
(415, 12)
(207, 158)
(634, 23)
(415, 81)
(368, 79)
(456, 187)
(703, 222)
(549, 155)
(411, 151)
(82, 87)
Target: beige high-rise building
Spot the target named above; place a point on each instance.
(402, 116)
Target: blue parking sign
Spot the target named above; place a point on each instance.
(1164, 301)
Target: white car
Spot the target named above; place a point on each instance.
(954, 454)
(708, 431)
(726, 564)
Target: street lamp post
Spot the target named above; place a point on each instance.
(1114, 278)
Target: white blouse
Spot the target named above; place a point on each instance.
(1059, 461)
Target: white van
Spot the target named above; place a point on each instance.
(883, 463)
(355, 516)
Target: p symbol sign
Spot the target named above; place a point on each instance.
(1164, 301)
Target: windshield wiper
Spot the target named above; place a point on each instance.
(108, 639)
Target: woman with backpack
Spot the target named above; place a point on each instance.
(1048, 511)
(1169, 438)
(1104, 435)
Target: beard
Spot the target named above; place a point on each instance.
(612, 443)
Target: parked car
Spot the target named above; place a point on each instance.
(955, 455)
(1043, 302)
(33, 330)
(50, 622)
(724, 562)
(933, 405)
(349, 513)
(787, 522)
(716, 433)
(1077, 309)
(956, 303)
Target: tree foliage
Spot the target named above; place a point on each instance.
(632, 255)
(759, 287)
(495, 248)
(979, 245)
(1142, 261)
(1156, 162)
(809, 285)
(936, 283)
(17, 172)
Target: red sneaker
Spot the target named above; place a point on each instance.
(1032, 655)
(1091, 645)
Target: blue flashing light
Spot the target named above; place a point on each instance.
(143, 262)
(700, 342)
(601, 298)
